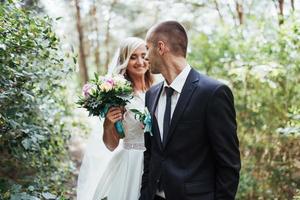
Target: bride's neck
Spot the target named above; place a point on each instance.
(139, 84)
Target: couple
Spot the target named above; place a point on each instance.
(194, 151)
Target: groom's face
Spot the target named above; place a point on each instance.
(153, 58)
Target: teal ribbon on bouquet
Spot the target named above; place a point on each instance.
(145, 118)
(148, 122)
(118, 125)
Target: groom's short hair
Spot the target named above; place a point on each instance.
(173, 33)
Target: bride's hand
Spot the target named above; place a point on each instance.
(113, 115)
(110, 136)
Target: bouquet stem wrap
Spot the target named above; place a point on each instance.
(120, 129)
(118, 125)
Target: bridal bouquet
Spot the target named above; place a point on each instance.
(104, 92)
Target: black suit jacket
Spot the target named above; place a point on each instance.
(200, 158)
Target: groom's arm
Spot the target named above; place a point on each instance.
(221, 122)
(147, 155)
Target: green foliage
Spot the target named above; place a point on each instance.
(32, 106)
(262, 65)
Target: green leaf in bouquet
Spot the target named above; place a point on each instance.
(136, 111)
(138, 115)
(96, 77)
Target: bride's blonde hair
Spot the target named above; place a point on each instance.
(121, 59)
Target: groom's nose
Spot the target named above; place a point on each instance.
(146, 56)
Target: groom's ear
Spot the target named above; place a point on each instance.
(162, 47)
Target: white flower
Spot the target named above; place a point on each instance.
(119, 80)
(106, 86)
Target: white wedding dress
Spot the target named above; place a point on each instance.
(121, 179)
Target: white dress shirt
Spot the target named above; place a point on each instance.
(177, 85)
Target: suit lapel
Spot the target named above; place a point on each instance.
(155, 97)
(186, 94)
(154, 101)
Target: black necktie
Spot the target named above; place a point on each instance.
(167, 119)
(167, 116)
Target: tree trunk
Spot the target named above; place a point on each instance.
(82, 59)
(106, 43)
(107, 38)
(97, 56)
(281, 20)
(218, 9)
(239, 9)
(97, 39)
(293, 5)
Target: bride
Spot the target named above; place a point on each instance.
(121, 179)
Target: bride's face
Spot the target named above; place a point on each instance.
(137, 65)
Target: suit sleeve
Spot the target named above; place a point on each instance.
(147, 156)
(221, 124)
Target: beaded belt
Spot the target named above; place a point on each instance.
(137, 146)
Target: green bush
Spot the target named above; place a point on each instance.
(262, 65)
(33, 106)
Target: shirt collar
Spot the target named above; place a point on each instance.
(179, 81)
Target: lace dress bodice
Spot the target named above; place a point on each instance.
(134, 133)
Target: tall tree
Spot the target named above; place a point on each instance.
(293, 5)
(279, 7)
(218, 10)
(239, 10)
(82, 59)
(281, 2)
(95, 29)
(107, 37)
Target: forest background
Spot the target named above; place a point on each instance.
(50, 48)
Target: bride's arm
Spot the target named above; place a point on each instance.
(110, 136)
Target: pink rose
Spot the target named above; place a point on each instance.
(86, 90)
(110, 81)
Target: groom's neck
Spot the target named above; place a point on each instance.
(172, 68)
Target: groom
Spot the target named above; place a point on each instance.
(194, 151)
